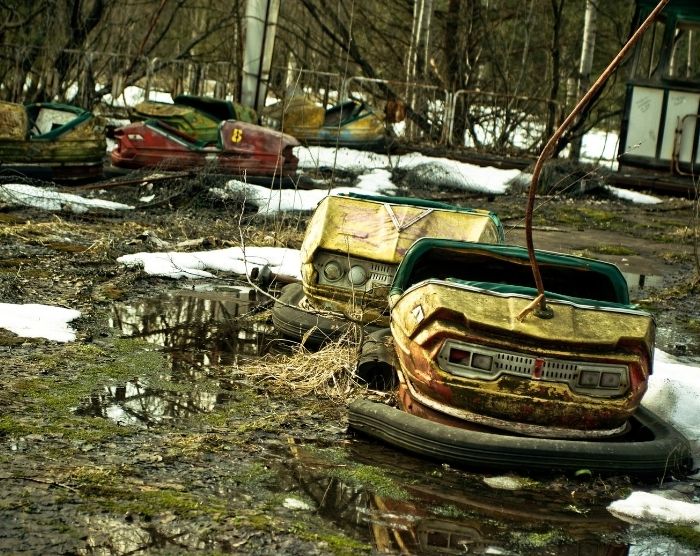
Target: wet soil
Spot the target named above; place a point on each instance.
(145, 436)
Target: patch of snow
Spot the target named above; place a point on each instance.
(376, 181)
(33, 320)
(656, 508)
(506, 482)
(674, 395)
(282, 261)
(436, 172)
(132, 95)
(296, 504)
(632, 196)
(600, 147)
(269, 201)
(47, 199)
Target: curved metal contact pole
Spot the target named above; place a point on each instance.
(543, 311)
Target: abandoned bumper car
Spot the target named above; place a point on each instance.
(352, 123)
(240, 149)
(490, 379)
(51, 141)
(351, 250)
(197, 116)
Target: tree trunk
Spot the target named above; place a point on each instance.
(555, 53)
(424, 40)
(463, 43)
(417, 59)
(590, 28)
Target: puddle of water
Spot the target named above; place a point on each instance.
(640, 285)
(445, 511)
(453, 513)
(134, 403)
(198, 329)
(208, 321)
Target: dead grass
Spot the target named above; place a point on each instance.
(328, 373)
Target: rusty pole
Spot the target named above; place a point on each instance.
(543, 311)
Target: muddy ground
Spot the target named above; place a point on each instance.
(237, 466)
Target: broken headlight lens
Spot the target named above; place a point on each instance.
(606, 381)
(482, 362)
(459, 356)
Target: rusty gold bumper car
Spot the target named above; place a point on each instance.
(51, 140)
(351, 250)
(481, 383)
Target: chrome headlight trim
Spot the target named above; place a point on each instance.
(583, 377)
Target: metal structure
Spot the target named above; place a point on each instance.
(660, 129)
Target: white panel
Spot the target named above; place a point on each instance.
(679, 104)
(645, 117)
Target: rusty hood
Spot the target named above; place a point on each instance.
(383, 228)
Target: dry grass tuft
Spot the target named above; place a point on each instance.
(328, 373)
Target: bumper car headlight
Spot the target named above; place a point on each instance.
(333, 271)
(357, 275)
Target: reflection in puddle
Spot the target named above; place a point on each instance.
(134, 403)
(640, 284)
(198, 329)
(209, 323)
(446, 517)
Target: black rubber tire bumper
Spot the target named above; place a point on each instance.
(295, 323)
(663, 452)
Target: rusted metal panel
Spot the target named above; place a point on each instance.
(13, 122)
(241, 148)
(193, 122)
(368, 230)
(576, 327)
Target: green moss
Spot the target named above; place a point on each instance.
(372, 478)
(683, 534)
(450, 511)
(340, 545)
(540, 539)
(564, 215)
(673, 257)
(255, 519)
(67, 375)
(368, 476)
(116, 493)
(613, 250)
(253, 475)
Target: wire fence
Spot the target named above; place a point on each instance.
(418, 113)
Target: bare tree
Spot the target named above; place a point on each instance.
(77, 50)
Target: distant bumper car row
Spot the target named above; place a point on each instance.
(480, 378)
(61, 142)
